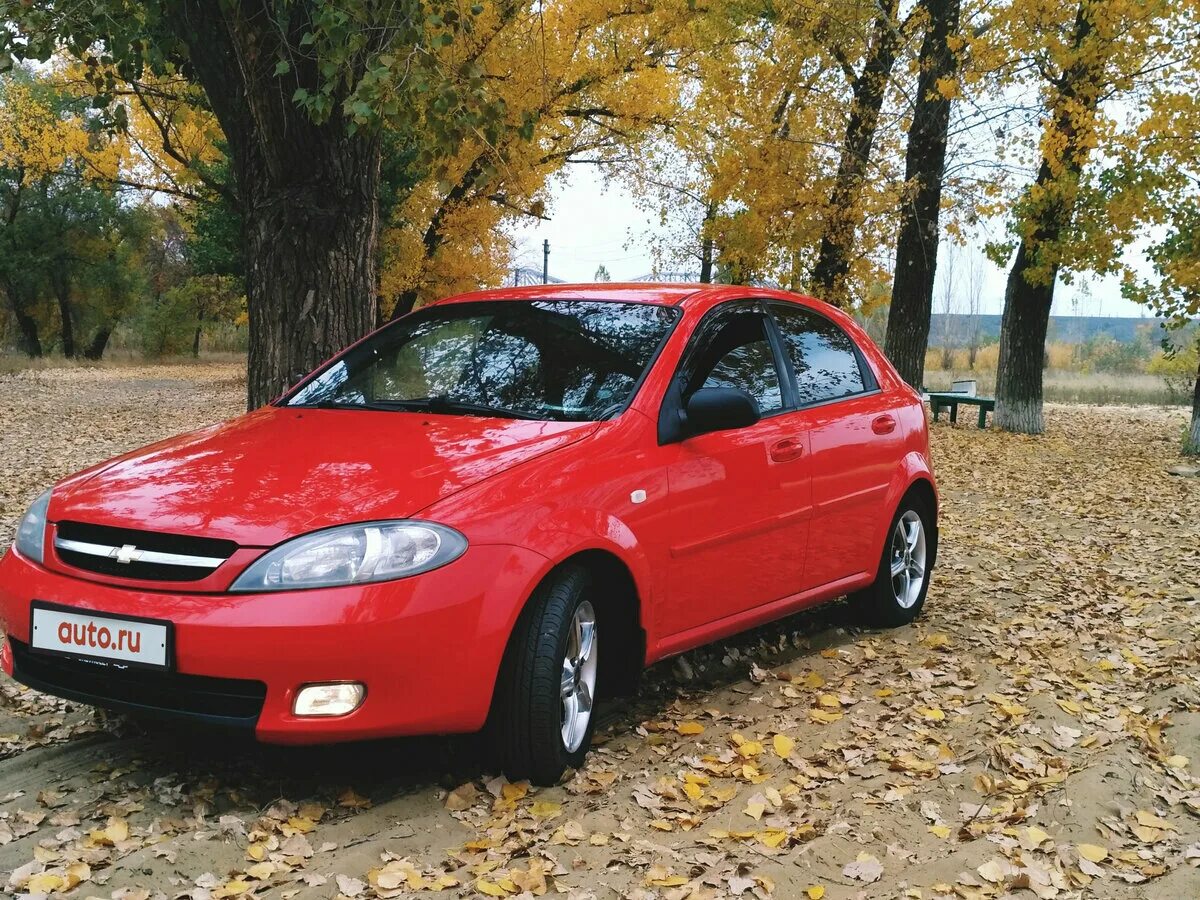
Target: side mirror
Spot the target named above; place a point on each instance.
(719, 409)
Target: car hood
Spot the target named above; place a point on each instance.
(279, 472)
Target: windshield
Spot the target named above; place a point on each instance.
(570, 360)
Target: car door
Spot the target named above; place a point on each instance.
(739, 499)
(854, 441)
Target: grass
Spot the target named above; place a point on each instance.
(1065, 386)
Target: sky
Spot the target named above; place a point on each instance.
(593, 224)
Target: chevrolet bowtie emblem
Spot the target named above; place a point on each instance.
(127, 554)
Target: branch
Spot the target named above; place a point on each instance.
(503, 200)
(164, 129)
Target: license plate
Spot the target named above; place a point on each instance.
(120, 639)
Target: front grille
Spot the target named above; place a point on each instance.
(222, 701)
(173, 557)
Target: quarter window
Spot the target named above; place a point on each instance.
(823, 356)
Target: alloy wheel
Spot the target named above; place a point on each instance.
(578, 687)
(908, 559)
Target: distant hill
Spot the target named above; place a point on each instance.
(1070, 329)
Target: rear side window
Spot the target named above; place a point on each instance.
(825, 359)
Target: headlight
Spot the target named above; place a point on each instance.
(31, 533)
(353, 554)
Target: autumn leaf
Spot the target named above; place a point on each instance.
(783, 745)
(1093, 852)
(462, 797)
(546, 809)
(865, 868)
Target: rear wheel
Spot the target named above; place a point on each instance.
(542, 719)
(902, 580)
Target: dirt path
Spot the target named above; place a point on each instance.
(1035, 733)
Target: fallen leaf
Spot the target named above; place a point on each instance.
(865, 868)
(1093, 852)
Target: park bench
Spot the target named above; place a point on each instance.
(949, 400)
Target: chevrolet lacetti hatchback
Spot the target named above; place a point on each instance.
(482, 517)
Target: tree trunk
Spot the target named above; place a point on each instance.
(1022, 349)
(311, 283)
(308, 191)
(431, 240)
(706, 260)
(62, 292)
(1191, 442)
(406, 302)
(95, 349)
(30, 343)
(924, 167)
(706, 244)
(1030, 289)
(841, 222)
(196, 337)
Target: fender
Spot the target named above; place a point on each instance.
(581, 530)
(913, 467)
(552, 511)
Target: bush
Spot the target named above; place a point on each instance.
(164, 326)
(1177, 368)
(169, 324)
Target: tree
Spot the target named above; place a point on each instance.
(778, 165)
(604, 78)
(868, 89)
(974, 298)
(602, 274)
(1065, 221)
(1157, 180)
(948, 310)
(1176, 260)
(58, 205)
(299, 89)
(924, 168)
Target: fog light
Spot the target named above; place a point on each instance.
(329, 699)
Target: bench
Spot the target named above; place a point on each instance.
(938, 401)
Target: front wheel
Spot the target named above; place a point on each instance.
(542, 719)
(902, 580)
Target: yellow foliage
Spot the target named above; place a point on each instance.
(174, 132)
(580, 79)
(44, 130)
(753, 153)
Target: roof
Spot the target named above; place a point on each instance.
(640, 292)
(686, 295)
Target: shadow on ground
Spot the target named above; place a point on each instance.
(384, 770)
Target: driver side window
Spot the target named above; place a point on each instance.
(739, 355)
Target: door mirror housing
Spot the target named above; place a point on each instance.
(720, 409)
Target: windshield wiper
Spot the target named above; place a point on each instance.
(339, 404)
(450, 406)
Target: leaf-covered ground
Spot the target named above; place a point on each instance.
(1035, 734)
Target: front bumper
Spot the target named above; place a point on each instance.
(428, 647)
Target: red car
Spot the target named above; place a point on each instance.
(484, 515)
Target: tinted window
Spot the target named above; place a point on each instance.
(739, 355)
(823, 355)
(545, 359)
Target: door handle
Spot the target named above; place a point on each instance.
(883, 425)
(787, 450)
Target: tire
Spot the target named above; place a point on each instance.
(529, 730)
(896, 598)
